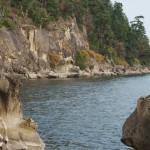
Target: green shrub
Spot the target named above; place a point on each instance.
(8, 24)
(39, 15)
(4, 20)
(81, 57)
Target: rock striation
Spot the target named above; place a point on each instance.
(26, 50)
(137, 126)
(50, 52)
(22, 132)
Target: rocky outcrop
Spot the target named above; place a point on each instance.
(27, 49)
(50, 52)
(22, 132)
(137, 127)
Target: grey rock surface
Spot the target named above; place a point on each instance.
(137, 126)
(26, 49)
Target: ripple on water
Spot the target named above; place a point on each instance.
(83, 114)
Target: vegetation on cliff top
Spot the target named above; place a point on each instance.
(109, 31)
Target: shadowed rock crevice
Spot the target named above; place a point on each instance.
(137, 126)
(9, 94)
(22, 132)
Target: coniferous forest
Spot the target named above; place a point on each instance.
(109, 31)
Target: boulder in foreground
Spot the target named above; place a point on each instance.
(22, 132)
(136, 130)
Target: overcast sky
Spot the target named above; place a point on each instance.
(134, 8)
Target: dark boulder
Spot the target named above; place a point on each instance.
(136, 130)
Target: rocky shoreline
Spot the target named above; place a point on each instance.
(75, 72)
(22, 131)
(51, 53)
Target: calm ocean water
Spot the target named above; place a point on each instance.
(83, 114)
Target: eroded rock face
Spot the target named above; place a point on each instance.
(9, 97)
(22, 132)
(26, 49)
(136, 130)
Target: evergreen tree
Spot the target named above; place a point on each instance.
(109, 31)
(137, 43)
(101, 35)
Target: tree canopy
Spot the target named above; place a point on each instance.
(109, 31)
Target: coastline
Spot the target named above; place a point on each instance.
(75, 72)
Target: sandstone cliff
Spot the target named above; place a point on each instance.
(27, 50)
(50, 52)
(22, 132)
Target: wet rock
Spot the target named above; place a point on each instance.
(73, 75)
(137, 126)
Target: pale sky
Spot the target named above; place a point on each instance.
(134, 8)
